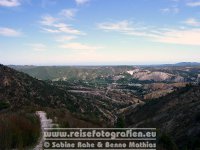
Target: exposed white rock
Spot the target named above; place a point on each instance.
(131, 72)
(118, 77)
(155, 76)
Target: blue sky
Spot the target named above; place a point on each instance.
(99, 32)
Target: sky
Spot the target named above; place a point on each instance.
(99, 32)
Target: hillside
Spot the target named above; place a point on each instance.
(135, 80)
(19, 90)
(70, 72)
(177, 114)
(112, 73)
(21, 96)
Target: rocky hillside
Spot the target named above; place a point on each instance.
(144, 75)
(177, 114)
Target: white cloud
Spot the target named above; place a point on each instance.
(68, 13)
(9, 32)
(79, 46)
(51, 30)
(9, 3)
(38, 46)
(126, 27)
(65, 38)
(48, 20)
(121, 26)
(192, 22)
(173, 9)
(183, 37)
(53, 25)
(81, 2)
(193, 4)
(65, 28)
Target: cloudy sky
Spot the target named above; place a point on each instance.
(99, 32)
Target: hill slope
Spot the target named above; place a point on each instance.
(177, 114)
(70, 72)
(19, 90)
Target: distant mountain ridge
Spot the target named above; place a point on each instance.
(95, 66)
(180, 64)
(188, 64)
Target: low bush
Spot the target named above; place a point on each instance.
(165, 142)
(4, 104)
(18, 130)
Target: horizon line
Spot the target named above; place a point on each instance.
(87, 64)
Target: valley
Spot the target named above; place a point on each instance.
(106, 96)
(141, 82)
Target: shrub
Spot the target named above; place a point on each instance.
(4, 104)
(197, 117)
(120, 122)
(18, 130)
(165, 142)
